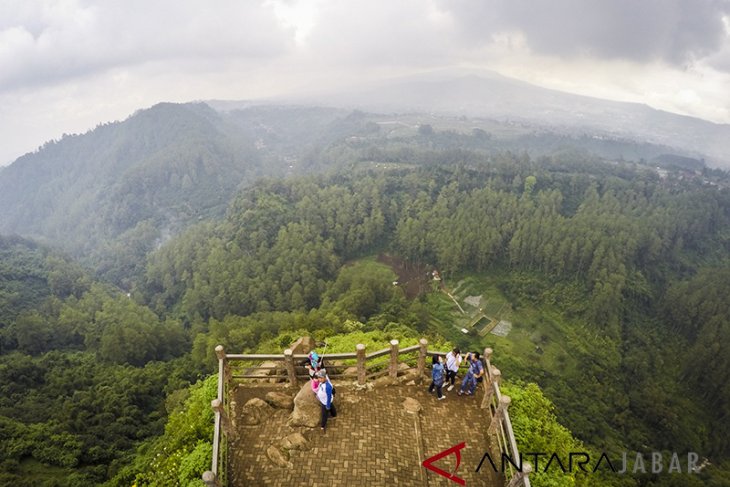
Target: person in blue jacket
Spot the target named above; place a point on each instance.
(325, 395)
(437, 377)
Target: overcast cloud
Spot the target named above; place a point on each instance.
(68, 65)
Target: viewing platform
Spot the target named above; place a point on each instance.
(387, 424)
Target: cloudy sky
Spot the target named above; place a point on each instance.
(68, 65)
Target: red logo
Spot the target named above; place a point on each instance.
(456, 450)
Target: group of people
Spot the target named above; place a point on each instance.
(322, 387)
(440, 373)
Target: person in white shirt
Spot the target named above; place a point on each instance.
(325, 394)
(453, 361)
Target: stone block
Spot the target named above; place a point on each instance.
(295, 441)
(255, 411)
(303, 346)
(279, 400)
(307, 409)
(278, 457)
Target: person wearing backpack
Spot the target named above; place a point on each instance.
(313, 363)
(437, 377)
(325, 394)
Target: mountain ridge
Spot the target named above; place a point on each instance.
(507, 98)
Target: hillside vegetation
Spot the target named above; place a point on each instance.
(114, 194)
(619, 276)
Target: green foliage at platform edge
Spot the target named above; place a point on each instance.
(184, 451)
(537, 429)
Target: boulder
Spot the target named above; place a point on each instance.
(295, 441)
(303, 346)
(411, 405)
(385, 381)
(279, 400)
(278, 457)
(255, 411)
(350, 372)
(264, 373)
(413, 375)
(368, 386)
(307, 408)
(403, 368)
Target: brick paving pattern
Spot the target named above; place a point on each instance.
(373, 441)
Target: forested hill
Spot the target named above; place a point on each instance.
(617, 279)
(621, 256)
(84, 370)
(112, 195)
(118, 188)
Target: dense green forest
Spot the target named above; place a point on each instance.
(114, 194)
(621, 276)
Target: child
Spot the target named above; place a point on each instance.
(437, 376)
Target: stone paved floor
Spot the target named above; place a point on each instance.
(373, 441)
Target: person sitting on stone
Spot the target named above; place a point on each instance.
(475, 373)
(325, 395)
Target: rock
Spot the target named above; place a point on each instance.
(279, 400)
(385, 381)
(278, 457)
(255, 411)
(368, 386)
(411, 405)
(350, 372)
(264, 373)
(303, 346)
(413, 375)
(295, 441)
(403, 367)
(411, 383)
(307, 409)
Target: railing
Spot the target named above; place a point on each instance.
(500, 424)
(367, 367)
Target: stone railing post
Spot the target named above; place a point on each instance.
(210, 480)
(393, 369)
(422, 357)
(487, 360)
(220, 353)
(518, 479)
(289, 362)
(498, 417)
(225, 420)
(495, 375)
(360, 350)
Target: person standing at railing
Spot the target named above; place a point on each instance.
(325, 394)
(437, 376)
(474, 375)
(453, 361)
